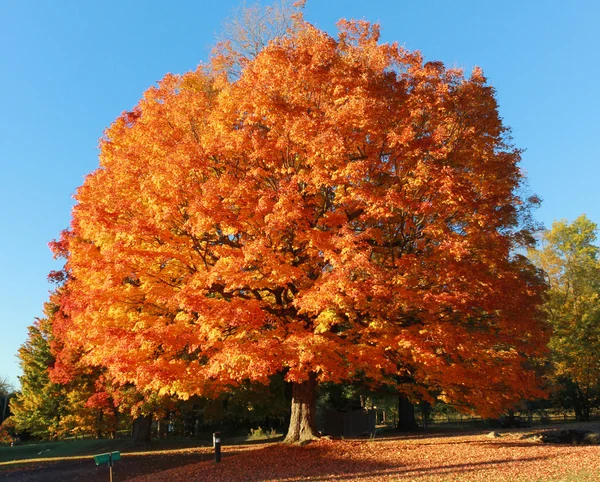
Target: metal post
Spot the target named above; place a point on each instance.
(217, 446)
(110, 466)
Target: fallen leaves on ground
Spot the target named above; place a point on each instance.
(423, 458)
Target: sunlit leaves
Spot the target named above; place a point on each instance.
(569, 258)
(341, 208)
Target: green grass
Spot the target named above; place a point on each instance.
(81, 448)
(583, 476)
(60, 449)
(88, 447)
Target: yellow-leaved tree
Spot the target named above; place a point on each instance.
(569, 258)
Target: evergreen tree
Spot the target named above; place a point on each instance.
(38, 407)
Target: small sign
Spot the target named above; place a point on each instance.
(107, 458)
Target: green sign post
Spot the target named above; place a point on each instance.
(108, 458)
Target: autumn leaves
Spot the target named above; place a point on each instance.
(340, 210)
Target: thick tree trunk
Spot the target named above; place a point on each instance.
(406, 414)
(142, 429)
(303, 427)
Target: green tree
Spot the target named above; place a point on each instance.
(6, 392)
(37, 408)
(57, 399)
(569, 257)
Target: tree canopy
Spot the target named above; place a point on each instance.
(341, 209)
(38, 407)
(569, 258)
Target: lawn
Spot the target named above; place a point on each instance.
(75, 449)
(441, 457)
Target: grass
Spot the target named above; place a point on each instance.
(583, 476)
(60, 449)
(83, 448)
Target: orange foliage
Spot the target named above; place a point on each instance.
(342, 208)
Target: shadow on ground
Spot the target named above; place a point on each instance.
(85, 470)
(316, 462)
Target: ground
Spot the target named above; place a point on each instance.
(84, 469)
(424, 457)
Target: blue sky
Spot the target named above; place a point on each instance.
(69, 68)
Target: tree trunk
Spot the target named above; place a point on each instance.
(406, 414)
(303, 426)
(584, 403)
(163, 428)
(142, 429)
(509, 420)
(113, 433)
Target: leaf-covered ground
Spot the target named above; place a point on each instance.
(422, 458)
(455, 457)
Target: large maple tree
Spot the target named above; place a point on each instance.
(340, 209)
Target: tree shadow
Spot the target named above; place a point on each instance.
(85, 470)
(316, 462)
(261, 462)
(418, 436)
(394, 471)
(529, 444)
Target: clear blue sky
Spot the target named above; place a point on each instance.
(69, 68)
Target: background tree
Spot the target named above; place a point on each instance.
(341, 210)
(38, 407)
(6, 392)
(569, 258)
(94, 403)
(54, 402)
(251, 28)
